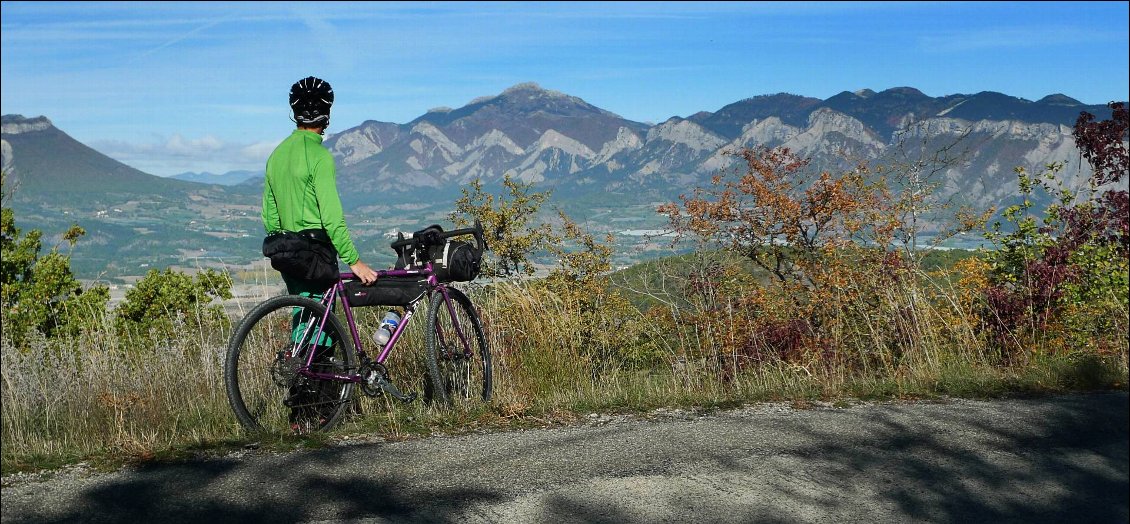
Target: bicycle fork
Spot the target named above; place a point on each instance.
(441, 338)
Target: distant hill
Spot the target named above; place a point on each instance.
(230, 178)
(730, 119)
(537, 134)
(134, 220)
(559, 141)
(40, 158)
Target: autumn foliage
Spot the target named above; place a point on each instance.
(836, 291)
(1059, 281)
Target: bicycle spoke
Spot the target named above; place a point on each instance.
(459, 363)
(270, 347)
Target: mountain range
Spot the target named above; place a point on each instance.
(600, 167)
(560, 141)
(230, 178)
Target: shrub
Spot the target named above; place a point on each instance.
(1057, 278)
(165, 299)
(508, 224)
(40, 293)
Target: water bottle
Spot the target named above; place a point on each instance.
(388, 325)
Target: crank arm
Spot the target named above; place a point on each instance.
(391, 390)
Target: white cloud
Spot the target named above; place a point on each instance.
(1014, 38)
(206, 145)
(259, 151)
(177, 154)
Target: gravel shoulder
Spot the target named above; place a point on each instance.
(1048, 459)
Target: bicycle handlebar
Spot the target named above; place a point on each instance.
(475, 231)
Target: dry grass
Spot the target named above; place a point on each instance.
(106, 395)
(143, 396)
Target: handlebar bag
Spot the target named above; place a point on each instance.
(452, 260)
(456, 261)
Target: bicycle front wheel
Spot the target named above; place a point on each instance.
(264, 356)
(458, 358)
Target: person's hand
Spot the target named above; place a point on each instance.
(363, 272)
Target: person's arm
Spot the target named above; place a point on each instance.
(271, 220)
(333, 219)
(330, 211)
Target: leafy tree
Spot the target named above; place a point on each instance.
(919, 200)
(39, 291)
(838, 252)
(583, 269)
(1075, 255)
(508, 221)
(783, 217)
(1104, 146)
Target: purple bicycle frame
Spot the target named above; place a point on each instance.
(337, 291)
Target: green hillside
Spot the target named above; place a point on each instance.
(51, 162)
(133, 220)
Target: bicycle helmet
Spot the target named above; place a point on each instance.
(311, 99)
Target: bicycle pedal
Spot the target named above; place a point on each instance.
(391, 390)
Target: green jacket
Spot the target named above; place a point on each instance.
(300, 192)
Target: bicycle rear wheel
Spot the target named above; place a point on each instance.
(458, 358)
(267, 349)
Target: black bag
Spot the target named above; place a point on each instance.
(452, 260)
(386, 291)
(456, 261)
(308, 254)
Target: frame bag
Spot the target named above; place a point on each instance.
(386, 291)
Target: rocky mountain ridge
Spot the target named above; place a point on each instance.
(556, 140)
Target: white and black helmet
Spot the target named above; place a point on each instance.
(311, 99)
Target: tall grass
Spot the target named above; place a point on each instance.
(105, 393)
(556, 356)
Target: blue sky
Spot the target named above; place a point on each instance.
(202, 86)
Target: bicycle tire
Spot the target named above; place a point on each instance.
(260, 380)
(454, 377)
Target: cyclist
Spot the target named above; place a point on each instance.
(300, 190)
(300, 194)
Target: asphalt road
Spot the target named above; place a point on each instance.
(1053, 459)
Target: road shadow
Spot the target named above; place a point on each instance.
(1061, 459)
(287, 490)
(1067, 461)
